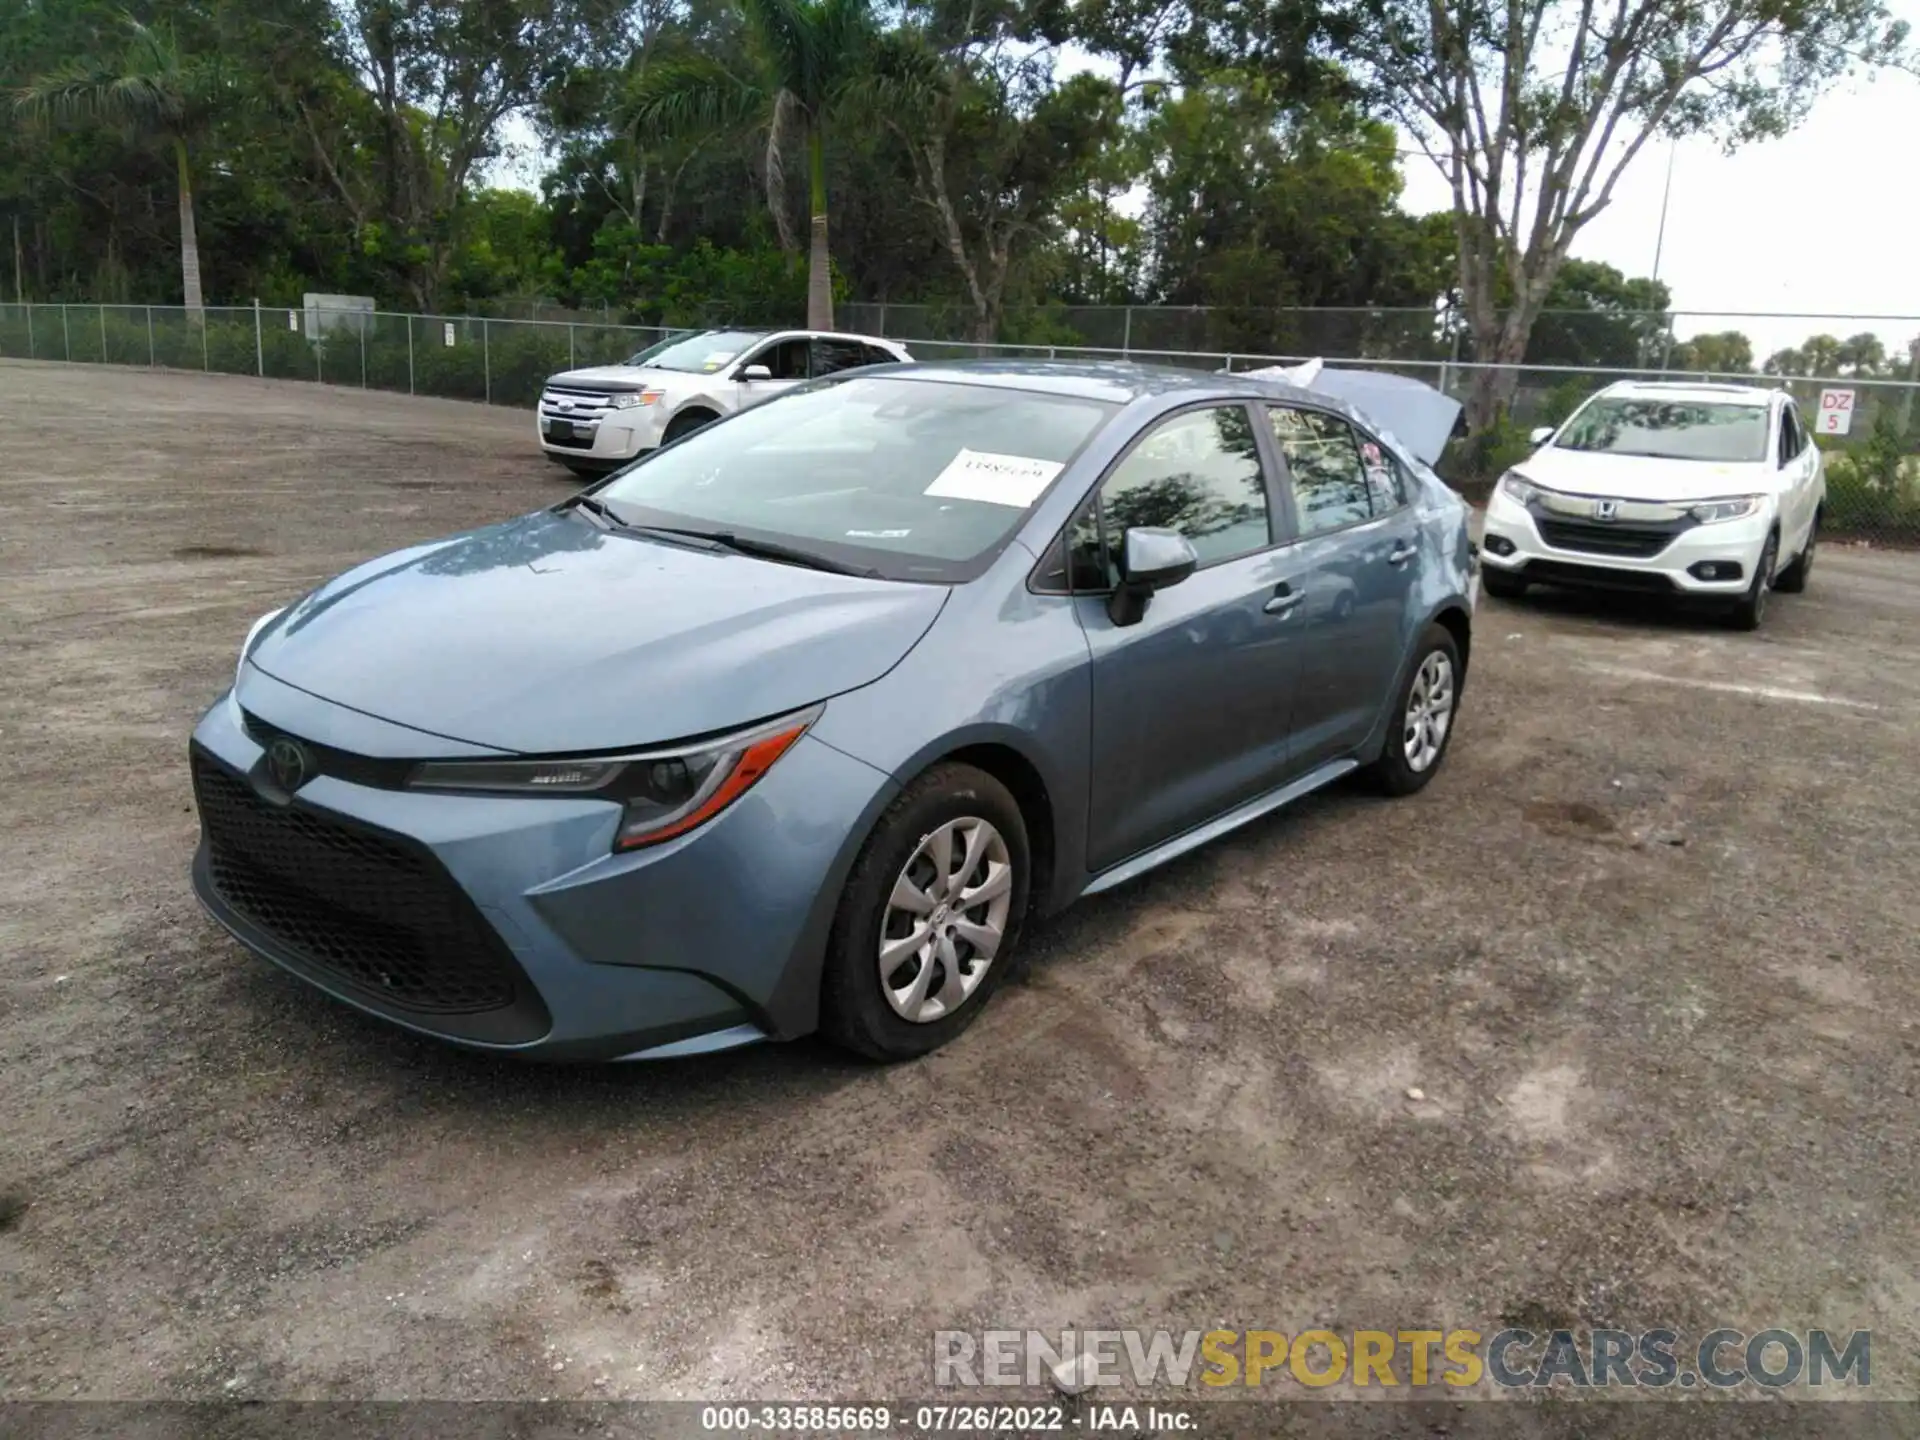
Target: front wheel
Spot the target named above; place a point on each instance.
(1422, 716)
(928, 922)
(1793, 579)
(1750, 609)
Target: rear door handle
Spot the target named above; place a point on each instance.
(1402, 552)
(1283, 599)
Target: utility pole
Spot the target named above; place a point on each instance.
(1660, 243)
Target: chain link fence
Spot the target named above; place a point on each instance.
(1873, 470)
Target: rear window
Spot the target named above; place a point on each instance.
(1669, 429)
(917, 479)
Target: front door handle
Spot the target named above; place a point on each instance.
(1283, 599)
(1403, 551)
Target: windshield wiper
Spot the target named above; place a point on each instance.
(759, 549)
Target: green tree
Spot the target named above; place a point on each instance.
(1531, 110)
(1723, 352)
(148, 84)
(805, 61)
(1595, 315)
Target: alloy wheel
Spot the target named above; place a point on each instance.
(945, 919)
(1429, 711)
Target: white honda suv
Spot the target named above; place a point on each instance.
(598, 419)
(1692, 490)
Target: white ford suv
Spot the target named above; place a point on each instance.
(598, 419)
(1691, 490)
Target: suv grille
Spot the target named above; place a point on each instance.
(368, 910)
(1608, 537)
(576, 407)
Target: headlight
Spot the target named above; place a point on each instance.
(1734, 507)
(253, 634)
(1518, 487)
(627, 399)
(663, 793)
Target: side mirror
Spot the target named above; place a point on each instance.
(1151, 559)
(755, 372)
(1541, 434)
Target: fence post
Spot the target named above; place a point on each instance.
(1126, 334)
(363, 354)
(570, 361)
(103, 334)
(409, 354)
(486, 359)
(259, 347)
(206, 365)
(66, 335)
(150, 337)
(30, 354)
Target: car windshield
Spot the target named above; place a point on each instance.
(1669, 429)
(913, 479)
(646, 356)
(700, 353)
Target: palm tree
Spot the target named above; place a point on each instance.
(805, 60)
(153, 88)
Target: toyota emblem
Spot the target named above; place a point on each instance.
(289, 763)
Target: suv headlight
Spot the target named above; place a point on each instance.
(1518, 487)
(663, 793)
(628, 399)
(1733, 507)
(253, 634)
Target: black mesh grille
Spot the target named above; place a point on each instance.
(1563, 572)
(372, 911)
(1608, 538)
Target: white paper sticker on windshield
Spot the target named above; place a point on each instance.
(717, 359)
(993, 479)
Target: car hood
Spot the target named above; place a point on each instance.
(629, 377)
(1636, 477)
(549, 635)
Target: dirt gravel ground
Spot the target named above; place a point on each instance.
(1647, 947)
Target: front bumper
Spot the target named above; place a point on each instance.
(608, 443)
(1512, 542)
(508, 924)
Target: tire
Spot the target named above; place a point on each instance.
(685, 423)
(1402, 767)
(1793, 579)
(1751, 608)
(856, 1010)
(587, 472)
(1501, 585)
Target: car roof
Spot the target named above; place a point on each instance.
(1113, 381)
(1700, 391)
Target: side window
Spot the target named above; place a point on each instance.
(874, 355)
(1331, 487)
(1198, 473)
(787, 359)
(1386, 481)
(1783, 450)
(832, 356)
(1798, 431)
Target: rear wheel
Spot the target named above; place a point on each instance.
(1750, 609)
(1501, 585)
(1793, 579)
(1423, 714)
(928, 921)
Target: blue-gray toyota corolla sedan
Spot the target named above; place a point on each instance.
(794, 723)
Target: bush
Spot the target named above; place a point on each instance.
(1474, 462)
